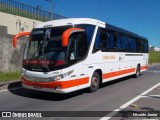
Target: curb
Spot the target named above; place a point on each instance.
(152, 64)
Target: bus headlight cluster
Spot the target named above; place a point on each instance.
(58, 77)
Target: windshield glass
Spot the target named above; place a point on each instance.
(45, 47)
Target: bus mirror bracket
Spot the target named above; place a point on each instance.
(17, 36)
(66, 34)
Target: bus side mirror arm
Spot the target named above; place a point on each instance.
(66, 34)
(17, 36)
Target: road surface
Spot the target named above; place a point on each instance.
(109, 97)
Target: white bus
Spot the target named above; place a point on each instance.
(66, 55)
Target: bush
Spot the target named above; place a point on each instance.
(154, 57)
(6, 76)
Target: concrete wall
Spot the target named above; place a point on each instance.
(16, 24)
(11, 58)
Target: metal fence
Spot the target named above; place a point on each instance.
(16, 8)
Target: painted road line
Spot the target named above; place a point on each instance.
(107, 117)
(10, 89)
(158, 96)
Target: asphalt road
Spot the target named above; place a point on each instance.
(108, 98)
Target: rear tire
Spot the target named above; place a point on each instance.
(137, 72)
(95, 82)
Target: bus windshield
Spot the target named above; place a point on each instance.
(44, 49)
(45, 46)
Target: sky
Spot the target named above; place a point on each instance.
(139, 16)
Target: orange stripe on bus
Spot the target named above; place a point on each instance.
(117, 73)
(77, 82)
(62, 84)
(144, 67)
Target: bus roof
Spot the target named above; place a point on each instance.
(70, 21)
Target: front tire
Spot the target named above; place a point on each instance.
(95, 82)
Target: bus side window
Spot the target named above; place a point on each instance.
(138, 42)
(111, 41)
(115, 40)
(107, 44)
(77, 46)
(125, 42)
(132, 44)
(142, 45)
(119, 41)
(146, 46)
(103, 39)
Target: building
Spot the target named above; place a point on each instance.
(154, 48)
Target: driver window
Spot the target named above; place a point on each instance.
(77, 46)
(73, 50)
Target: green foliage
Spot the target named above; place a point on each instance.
(6, 76)
(154, 57)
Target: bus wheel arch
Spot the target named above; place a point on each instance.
(96, 80)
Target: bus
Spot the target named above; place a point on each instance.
(62, 56)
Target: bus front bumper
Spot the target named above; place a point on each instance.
(54, 87)
(57, 86)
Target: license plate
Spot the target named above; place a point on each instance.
(37, 87)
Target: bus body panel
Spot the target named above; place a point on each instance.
(113, 65)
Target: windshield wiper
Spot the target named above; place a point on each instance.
(44, 64)
(42, 45)
(33, 56)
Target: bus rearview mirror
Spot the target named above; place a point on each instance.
(66, 34)
(17, 36)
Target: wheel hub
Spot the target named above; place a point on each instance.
(94, 82)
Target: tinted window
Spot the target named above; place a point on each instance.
(80, 42)
(103, 36)
(76, 46)
(119, 41)
(132, 43)
(145, 46)
(138, 41)
(125, 42)
(109, 40)
(89, 29)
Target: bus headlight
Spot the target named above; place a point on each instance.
(58, 77)
(50, 79)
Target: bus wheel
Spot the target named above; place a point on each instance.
(137, 72)
(95, 82)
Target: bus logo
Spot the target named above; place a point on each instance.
(48, 34)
